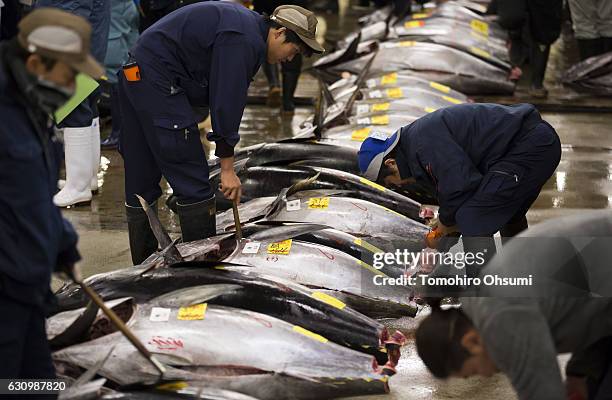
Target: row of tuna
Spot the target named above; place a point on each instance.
(291, 310)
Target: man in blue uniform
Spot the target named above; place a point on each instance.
(37, 72)
(202, 55)
(487, 164)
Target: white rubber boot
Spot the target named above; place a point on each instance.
(95, 146)
(77, 148)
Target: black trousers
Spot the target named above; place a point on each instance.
(24, 350)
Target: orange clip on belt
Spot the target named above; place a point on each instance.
(131, 73)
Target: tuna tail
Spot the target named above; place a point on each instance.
(281, 199)
(170, 252)
(84, 387)
(359, 83)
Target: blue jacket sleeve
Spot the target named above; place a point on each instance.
(233, 63)
(68, 253)
(82, 8)
(455, 176)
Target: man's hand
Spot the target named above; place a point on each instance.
(445, 230)
(438, 232)
(230, 184)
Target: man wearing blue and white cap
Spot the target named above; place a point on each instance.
(485, 162)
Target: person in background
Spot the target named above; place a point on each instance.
(519, 329)
(122, 35)
(592, 23)
(542, 21)
(290, 69)
(81, 128)
(37, 76)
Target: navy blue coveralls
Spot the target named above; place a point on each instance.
(34, 238)
(97, 13)
(487, 162)
(204, 54)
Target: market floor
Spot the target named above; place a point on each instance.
(583, 181)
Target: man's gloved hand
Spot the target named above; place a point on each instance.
(438, 232)
(70, 270)
(230, 183)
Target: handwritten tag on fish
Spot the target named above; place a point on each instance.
(380, 120)
(414, 24)
(251, 248)
(395, 93)
(389, 79)
(452, 100)
(371, 83)
(294, 205)
(480, 27)
(282, 248)
(192, 313)
(372, 184)
(480, 52)
(440, 87)
(318, 203)
(376, 94)
(429, 109)
(381, 106)
(363, 121)
(360, 135)
(379, 135)
(363, 108)
(159, 314)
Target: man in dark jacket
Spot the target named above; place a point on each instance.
(37, 73)
(202, 55)
(487, 164)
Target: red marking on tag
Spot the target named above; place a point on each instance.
(166, 343)
(360, 207)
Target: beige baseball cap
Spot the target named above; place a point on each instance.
(301, 21)
(61, 36)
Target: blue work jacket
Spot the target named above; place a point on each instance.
(34, 238)
(452, 148)
(212, 51)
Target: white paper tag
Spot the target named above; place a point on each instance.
(251, 248)
(376, 94)
(371, 83)
(363, 108)
(379, 135)
(294, 205)
(159, 314)
(363, 121)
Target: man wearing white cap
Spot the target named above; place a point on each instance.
(37, 75)
(203, 55)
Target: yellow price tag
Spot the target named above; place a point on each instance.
(282, 248)
(452, 100)
(380, 120)
(406, 43)
(192, 313)
(419, 16)
(362, 243)
(480, 27)
(309, 334)
(360, 134)
(395, 93)
(389, 79)
(173, 386)
(372, 184)
(332, 301)
(429, 109)
(414, 24)
(318, 203)
(440, 87)
(381, 106)
(480, 52)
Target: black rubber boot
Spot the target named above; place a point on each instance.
(590, 47)
(291, 75)
(539, 59)
(142, 241)
(198, 220)
(513, 228)
(112, 141)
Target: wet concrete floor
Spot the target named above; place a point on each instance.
(583, 181)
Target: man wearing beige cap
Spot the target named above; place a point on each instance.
(37, 74)
(203, 55)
